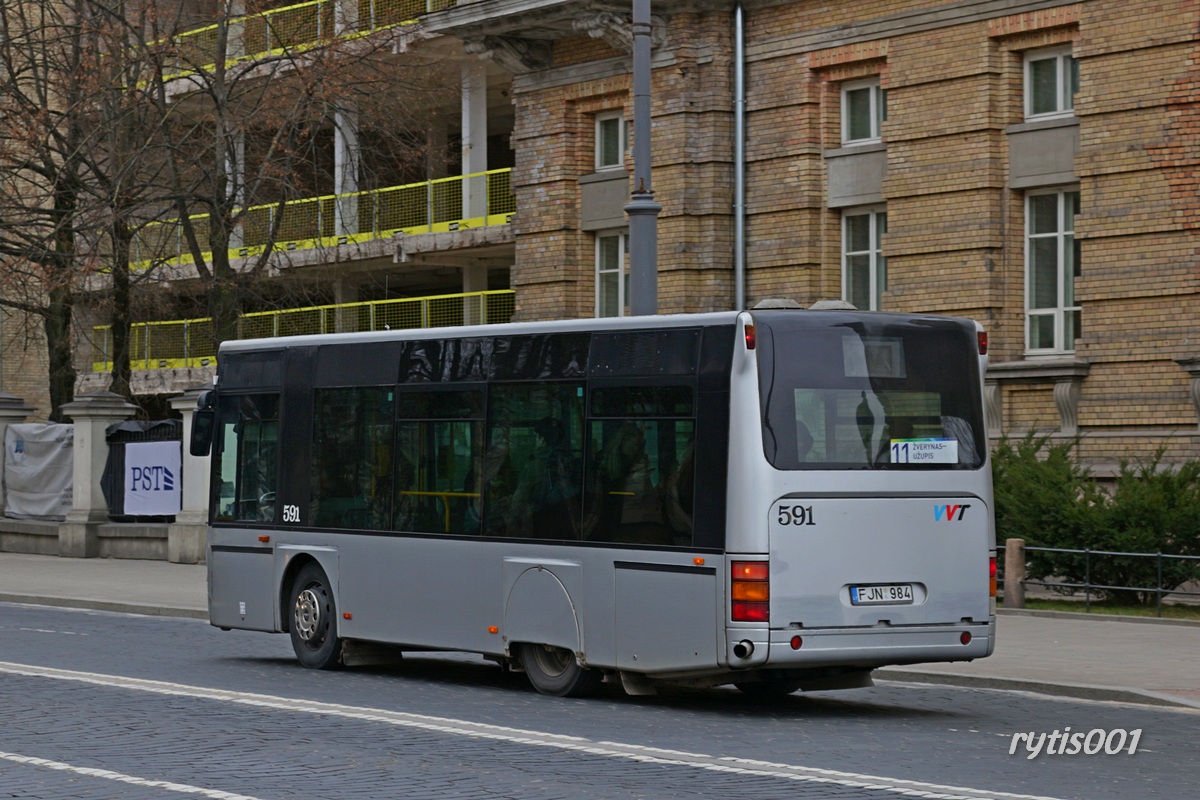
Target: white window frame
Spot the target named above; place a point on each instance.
(1065, 86)
(622, 139)
(876, 260)
(1066, 266)
(877, 105)
(622, 270)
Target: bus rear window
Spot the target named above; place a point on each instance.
(887, 393)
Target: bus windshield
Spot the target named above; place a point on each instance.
(885, 392)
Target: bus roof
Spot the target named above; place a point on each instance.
(472, 331)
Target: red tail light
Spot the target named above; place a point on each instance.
(983, 343)
(750, 591)
(992, 582)
(751, 337)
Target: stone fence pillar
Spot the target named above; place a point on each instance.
(78, 536)
(1014, 573)
(186, 535)
(13, 410)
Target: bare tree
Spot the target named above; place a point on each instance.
(120, 124)
(247, 131)
(43, 93)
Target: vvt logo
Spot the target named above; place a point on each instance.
(152, 479)
(950, 513)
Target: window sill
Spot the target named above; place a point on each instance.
(1065, 372)
(855, 148)
(1042, 123)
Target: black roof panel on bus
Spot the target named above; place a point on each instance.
(262, 368)
(645, 353)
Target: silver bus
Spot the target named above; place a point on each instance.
(777, 499)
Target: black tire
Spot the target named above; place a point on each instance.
(314, 620)
(556, 672)
(768, 688)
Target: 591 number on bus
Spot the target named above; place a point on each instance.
(796, 515)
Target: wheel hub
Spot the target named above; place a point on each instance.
(308, 615)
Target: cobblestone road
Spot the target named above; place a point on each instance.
(458, 727)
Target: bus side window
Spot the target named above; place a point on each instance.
(247, 458)
(533, 470)
(438, 461)
(352, 447)
(640, 485)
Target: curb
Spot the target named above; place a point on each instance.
(1079, 691)
(1080, 615)
(103, 605)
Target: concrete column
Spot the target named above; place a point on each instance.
(474, 279)
(235, 173)
(347, 154)
(345, 292)
(92, 414)
(186, 535)
(474, 137)
(13, 410)
(236, 47)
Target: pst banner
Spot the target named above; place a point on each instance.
(152, 478)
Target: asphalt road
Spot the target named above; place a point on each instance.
(101, 705)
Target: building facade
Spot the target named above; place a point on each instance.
(1029, 164)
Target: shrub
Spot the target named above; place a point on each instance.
(1045, 498)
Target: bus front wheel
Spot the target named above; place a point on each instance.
(555, 671)
(314, 620)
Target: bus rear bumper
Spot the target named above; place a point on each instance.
(875, 647)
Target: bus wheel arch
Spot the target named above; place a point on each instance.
(311, 615)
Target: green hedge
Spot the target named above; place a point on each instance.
(1044, 497)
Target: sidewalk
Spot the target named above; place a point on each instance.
(1139, 661)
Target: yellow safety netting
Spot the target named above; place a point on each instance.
(463, 201)
(177, 344)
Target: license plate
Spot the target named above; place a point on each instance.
(888, 593)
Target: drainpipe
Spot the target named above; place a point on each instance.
(739, 157)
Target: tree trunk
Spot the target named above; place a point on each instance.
(58, 346)
(122, 372)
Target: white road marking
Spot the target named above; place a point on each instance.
(120, 777)
(457, 727)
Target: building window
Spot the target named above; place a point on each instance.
(1052, 268)
(611, 140)
(864, 267)
(612, 274)
(864, 109)
(1051, 83)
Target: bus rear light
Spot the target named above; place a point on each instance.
(797, 642)
(983, 343)
(992, 580)
(965, 638)
(751, 337)
(749, 571)
(744, 611)
(750, 591)
(754, 592)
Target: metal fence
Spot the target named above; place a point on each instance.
(177, 344)
(1088, 587)
(477, 200)
(294, 27)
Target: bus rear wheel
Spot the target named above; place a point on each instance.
(314, 620)
(556, 672)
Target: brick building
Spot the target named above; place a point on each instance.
(1030, 164)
